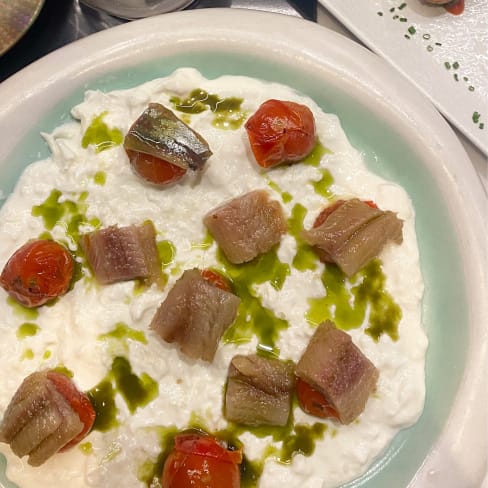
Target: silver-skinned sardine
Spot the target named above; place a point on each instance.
(160, 133)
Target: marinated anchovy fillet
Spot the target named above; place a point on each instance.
(160, 133)
(40, 420)
(259, 390)
(247, 226)
(333, 365)
(353, 233)
(70, 427)
(44, 423)
(195, 314)
(123, 253)
(30, 398)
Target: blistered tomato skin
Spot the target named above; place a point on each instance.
(281, 131)
(37, 272)
(155, 170)
(200, 461)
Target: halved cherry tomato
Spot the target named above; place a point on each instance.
(200, 461)
(78, 401)
(153, 169)
(313, 402)
(37, 272)
(281, 131)
(216, 279)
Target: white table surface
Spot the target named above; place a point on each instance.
(478, 159)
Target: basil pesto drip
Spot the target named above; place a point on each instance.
(70, 214)
(27, 329)
(322, 185)
(347, 301)
(21, 311)
(102, 398)
(252, 317)
(305, 257)
(227, 111)
(27, 354)
(315, 156)
(137, 392)
(286, 197)
(101, 136)
(121, 334)
(86, 448)
(294, 438)
(100, 177)
(167, 254)
(205, 243)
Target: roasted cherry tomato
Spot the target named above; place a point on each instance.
(155, 170)
(200, 461)
(38, 272)
(313, 402)
(78, 401)
(281, 131)
(216, 279)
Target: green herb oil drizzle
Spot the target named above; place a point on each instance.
(27, 329)
(305, 257)
(314, 158)
(252, 317)
(68, 213)
(285, 196)
(167, 255)
(121, 334)
(21, 311)
(101, 136)
(137, 392)
(227, 111)
(346, 301)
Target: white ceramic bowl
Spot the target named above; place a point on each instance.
(401, 136)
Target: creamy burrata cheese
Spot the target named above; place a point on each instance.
(87, 328)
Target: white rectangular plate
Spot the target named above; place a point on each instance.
(445, 55)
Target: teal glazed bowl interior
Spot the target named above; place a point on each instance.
(386, 151)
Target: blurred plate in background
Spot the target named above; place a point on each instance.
(15, 19)
(444, 55)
